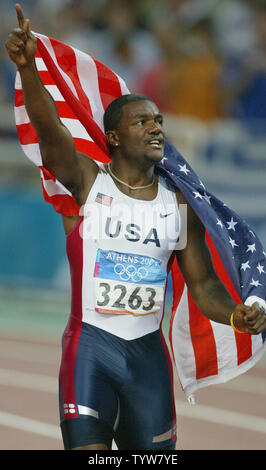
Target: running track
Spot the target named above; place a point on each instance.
(228, 416)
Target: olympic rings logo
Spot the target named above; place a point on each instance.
(130, 272)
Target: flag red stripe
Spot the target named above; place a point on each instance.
(19, 98)
(27, 134)
(90, 149)
(67, 61)
(62, 203)
(64, 110)
(46, 174)
(90, 125)
(203, 342)
(109, 84)
(243, 341)
(178, 284)
(46, 77)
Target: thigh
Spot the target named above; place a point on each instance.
(147, 412)
(87, 398)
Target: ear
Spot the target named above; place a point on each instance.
(112, 138)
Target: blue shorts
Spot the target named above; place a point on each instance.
(111, 388)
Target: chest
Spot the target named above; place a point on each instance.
(135, 226)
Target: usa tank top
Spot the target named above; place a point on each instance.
(119, 256)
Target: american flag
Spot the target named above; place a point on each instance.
(82, 88)
(204, 352)
(103, 199)
(215, 353)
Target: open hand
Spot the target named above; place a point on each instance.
(21, 44)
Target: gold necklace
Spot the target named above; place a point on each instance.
(131, 187)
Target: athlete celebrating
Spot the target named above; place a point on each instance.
(115, 376)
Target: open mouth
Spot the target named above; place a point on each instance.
(155, 143)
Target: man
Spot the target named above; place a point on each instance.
(115, 375)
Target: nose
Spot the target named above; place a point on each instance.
(155, 128)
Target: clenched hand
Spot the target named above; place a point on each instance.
(21, 44)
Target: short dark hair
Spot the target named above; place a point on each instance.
(113, 112)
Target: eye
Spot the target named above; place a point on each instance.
(140, 122)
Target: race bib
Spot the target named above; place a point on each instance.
(126, 283)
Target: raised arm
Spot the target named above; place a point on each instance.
(207, 290)
(74, 171)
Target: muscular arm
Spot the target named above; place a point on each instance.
(207, 290)
(197, 269)
(56, 143)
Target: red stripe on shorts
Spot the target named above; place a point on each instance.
(72, 333)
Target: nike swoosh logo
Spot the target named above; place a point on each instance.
(165, 215)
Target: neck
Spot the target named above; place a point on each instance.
(133, 188)
(130, 174)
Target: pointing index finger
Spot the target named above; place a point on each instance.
(20, 16)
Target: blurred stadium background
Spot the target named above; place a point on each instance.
(204, 64)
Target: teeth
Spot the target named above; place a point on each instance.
(155, 143)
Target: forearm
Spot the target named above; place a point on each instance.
(39, 104)
(204, 285)
(214, 301)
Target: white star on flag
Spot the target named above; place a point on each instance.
(245, 266)
(260, 268)
(233, 243)
(231, 224)
(255, 283)
(197, 195)
(251, 248)
(184, 168)
(219, 222)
